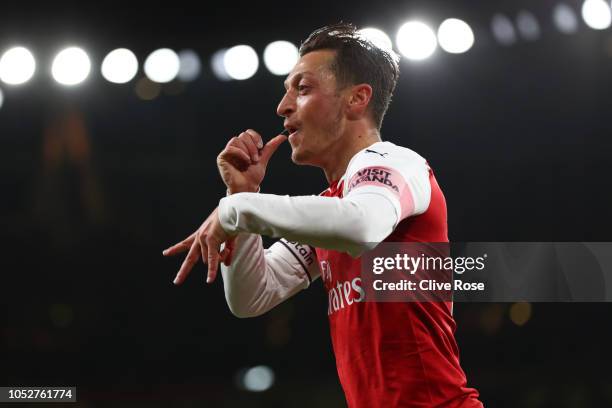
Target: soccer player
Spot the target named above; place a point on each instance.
(399, 354)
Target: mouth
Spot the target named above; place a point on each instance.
(291, 130)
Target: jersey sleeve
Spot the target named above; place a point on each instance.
(258, 279)
(348, 225)
(300, 258)
(396, 173)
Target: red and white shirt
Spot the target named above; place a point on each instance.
(387, 354)
(393, 354)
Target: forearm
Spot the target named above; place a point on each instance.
(352, 224)
(257, 280)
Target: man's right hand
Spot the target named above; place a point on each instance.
(242, 164)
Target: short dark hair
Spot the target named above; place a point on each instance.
(358, 61)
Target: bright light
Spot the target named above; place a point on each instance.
(377, 37)
(217, 66)
(280, 57)
(455, 36)
(597, 14)
(240, 62)
(71, 66)
(528, 25)
(503, 30)
(17, 66)
(565, 18)
(120, 66)
(258, 379)
(162, 65)
(416, 41)
(189, 65)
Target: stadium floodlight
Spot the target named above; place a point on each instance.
(527, 25)
(162, 65)
(71, 66)
(597, 14)
(455, 36)
(120, 66)
(503, 30)
(217, 65)
(189, 65)
(416, 40)
(565, 19)
(240, 62)
(280, 57)
(17, 66)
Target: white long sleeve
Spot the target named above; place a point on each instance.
(353, 224)
(383, 185)
(259, 279)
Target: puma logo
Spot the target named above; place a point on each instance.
(372, 151)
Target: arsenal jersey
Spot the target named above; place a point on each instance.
(393, 354)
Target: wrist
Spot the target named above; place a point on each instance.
(231, 191)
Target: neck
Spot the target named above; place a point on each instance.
(345, 149)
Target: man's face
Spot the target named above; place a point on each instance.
(312, 108)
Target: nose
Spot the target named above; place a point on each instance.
(286, 106)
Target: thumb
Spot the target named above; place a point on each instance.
(270, 147)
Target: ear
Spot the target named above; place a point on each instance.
(358, 101)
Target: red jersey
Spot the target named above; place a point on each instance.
(393, 354)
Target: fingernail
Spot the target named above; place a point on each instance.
(164, 252)
(208, 280)
(260, 144)
(175, 281)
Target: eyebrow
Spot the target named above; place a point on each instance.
(298, 75)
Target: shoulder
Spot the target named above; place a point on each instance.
(395, 171)
(386, 154)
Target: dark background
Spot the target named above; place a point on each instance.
(95, 183)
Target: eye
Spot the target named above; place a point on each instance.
(302, 88)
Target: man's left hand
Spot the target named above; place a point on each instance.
(212, 240)
(205, 242)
